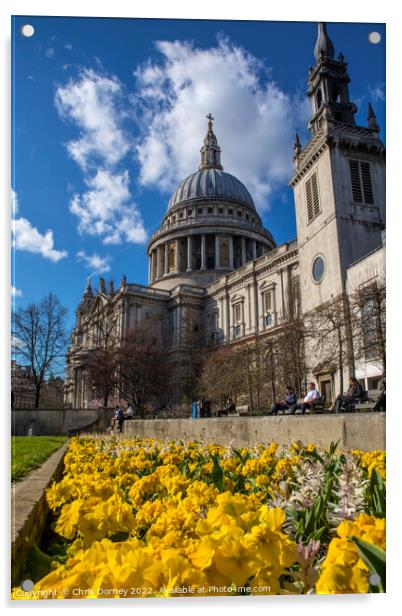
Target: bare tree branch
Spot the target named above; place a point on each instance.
(39, 338)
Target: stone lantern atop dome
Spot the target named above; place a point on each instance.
(210, 151)
(211, 226)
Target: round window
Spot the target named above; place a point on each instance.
(318, 269)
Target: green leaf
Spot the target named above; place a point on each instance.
(318, 507)
(332, 448)
(217, 474)
(313, 454)
(373, 557)
(377, 493)
(317, 534)
(238, 454)
(309, 518)
(38, 563)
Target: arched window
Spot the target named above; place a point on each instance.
(335, 95)
(319, 99)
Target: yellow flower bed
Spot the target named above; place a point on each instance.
(371, 460)
(146, 518)
(343, 571)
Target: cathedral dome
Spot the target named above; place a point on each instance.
(211, 183)
(210, 227)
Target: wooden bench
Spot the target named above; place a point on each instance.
(368, 402)
(317, 408)
(243, 410)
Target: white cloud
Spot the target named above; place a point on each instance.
(377, 92)
(106, 209)
(50, 53)
(95, 262)
(26, 237)
(14, 203)
(94, 103)
(17, 343)
(255, 120)
(16, 292)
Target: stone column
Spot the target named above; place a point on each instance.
(166, 245)
(227, 310)
(254, 249)
(178, 310)
(231, 260)
(152, 266)
(176, 255)
(159, 262)
(189, 253)
(217, 252)
(203, 252)
(75, 402)
(274, 304)
(247, 321)
(243, 250)
(255, 298)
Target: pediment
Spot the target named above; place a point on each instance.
(236, 298)
(267, 285)
(98, 304)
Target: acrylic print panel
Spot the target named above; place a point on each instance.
(198, 248)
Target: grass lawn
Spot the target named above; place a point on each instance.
(29, 452)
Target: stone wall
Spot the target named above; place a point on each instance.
(29, 511)
(53, 422)
(364, 431)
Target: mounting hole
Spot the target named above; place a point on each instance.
(374, 38)
(27, 30)
(374, 579)
(27, 585)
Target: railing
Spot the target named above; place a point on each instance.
(212, 220)
(147, 290)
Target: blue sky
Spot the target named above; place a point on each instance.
(109, 116)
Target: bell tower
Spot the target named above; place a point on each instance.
(328, 85)
(338, 181)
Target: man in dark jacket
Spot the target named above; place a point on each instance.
(289, 402)
(354, 392)
(381, 402)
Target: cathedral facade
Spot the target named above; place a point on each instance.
(212, 258)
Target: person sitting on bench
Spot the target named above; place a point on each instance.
(119, 417)
(380, 405)
(129, 414)
(230, 407)
(312, 397)
(289, 400)
(354, 392)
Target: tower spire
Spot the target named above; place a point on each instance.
(328, 86)
(210, 151)
(323, 47)
(297, 148)
(88, 287)
(372, 119)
